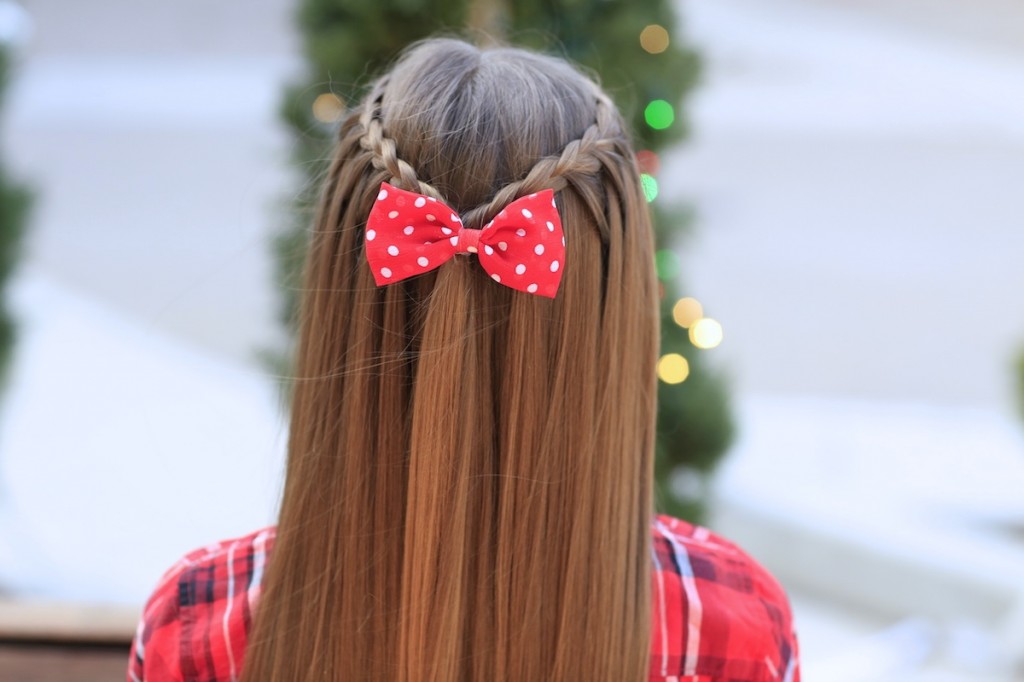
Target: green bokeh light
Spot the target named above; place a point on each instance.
(659, 114)
(650, 185)
(666, 262)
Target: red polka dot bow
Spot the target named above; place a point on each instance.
(523, 247)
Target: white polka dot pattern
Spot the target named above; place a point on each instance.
(523, 247)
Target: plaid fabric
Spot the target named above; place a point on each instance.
(717, 615)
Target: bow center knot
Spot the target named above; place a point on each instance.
(469, 241)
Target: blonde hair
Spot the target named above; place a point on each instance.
(469, 479)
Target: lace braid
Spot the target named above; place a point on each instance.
(384, 151)
(584, 156)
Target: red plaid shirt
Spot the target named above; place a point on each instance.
(716, 615)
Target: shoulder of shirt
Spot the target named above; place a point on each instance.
(688, 541)
(208, 559)
(724, 590)
(208, 577)
(255, 542)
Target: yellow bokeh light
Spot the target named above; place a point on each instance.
(654, 39)
(706, 333)
(673, 368)
(686, 311)
(328, 107)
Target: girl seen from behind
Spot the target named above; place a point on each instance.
(468, 493)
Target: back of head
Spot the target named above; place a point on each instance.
(468, 491)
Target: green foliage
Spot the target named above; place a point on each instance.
(695, 422)
(695, 425)
(14, 205)
(603, 36)
(348, 42)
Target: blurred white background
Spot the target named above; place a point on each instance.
(856, 170)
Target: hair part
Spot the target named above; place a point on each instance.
(469, 480)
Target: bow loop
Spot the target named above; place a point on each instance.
(523, 247)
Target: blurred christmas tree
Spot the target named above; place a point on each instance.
(14, 204)
(648, 72)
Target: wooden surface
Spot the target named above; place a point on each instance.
(25, 662)
(67, 623)
(57, 642)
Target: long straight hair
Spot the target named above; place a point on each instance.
(469, 479)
